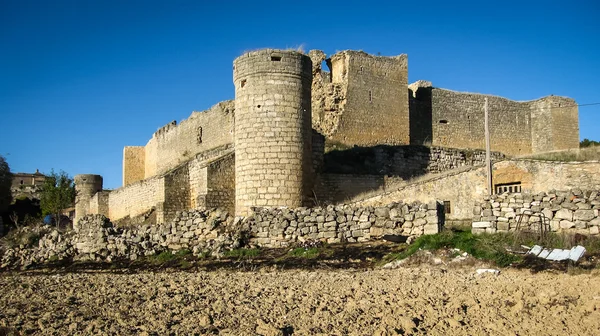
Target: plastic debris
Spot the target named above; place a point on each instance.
(557, 254)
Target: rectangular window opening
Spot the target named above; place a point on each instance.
(276, 58)
(447, 208)
(513, 187)
(370, 96)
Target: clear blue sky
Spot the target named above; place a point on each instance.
(81, 79)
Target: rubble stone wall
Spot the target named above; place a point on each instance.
(573, 211)
(215, 231)
(343, 223)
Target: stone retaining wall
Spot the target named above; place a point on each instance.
(95, 238)
(573, 211)
(343, 223)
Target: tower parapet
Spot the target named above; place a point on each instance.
(272, 129)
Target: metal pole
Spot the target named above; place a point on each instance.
(488, 162)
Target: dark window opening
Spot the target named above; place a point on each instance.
(21, 181)
(370, 96)
(361, 69)
(443, 121)
(199, 135)
(243, 83)
(447, 208)
(514, 187)
(257, 106)
(275, 58)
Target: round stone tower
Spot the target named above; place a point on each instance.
(272, 129)
(86, 185)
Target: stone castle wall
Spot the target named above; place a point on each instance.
(273, 134)
(137, 198)
(456, 119)
(462, 188)
(174, 144)
(134, 160)
(573, 211)
(363, 101)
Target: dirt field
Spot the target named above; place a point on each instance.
(413, 300)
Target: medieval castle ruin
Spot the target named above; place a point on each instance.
(266, 147)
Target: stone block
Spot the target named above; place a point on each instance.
(382, 212)
(357, 233)
(481, 224)
(502, 226)
(584, 215)
(419, 222)
(565, 224)
(477, 230)
(594, 230)
(430, 229)
(564, 214)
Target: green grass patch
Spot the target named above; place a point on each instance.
(242, 253)
(183, 253)
(162, 257)
(302, 252)
(491, 247)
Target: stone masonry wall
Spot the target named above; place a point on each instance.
(137, 198)
(174, 144)
(334, 224)
(516, 128)
(215, 231)
(273, 132)
(177, 192)
(133, 164)
(221, 184)
(366, 101)
(573, 211)
(403, 161)
(463, 187)
(458, 121)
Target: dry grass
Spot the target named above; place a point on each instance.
(579, 154)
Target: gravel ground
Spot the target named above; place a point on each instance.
(412, 300)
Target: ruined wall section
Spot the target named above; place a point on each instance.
(174, 144)
(555, 124)
(363, 100)
(376, 111)
(458, 121)
(273, 134)
(99, 203)
(86, 186)
(133, 164)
